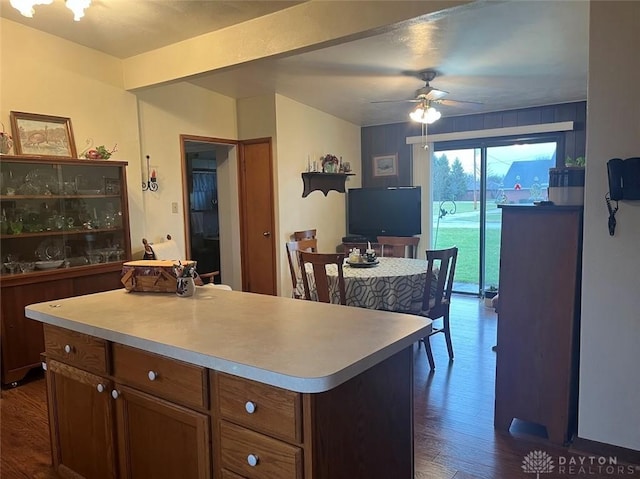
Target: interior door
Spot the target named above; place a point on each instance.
(257, 223)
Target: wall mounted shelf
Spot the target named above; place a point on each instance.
(324, 182)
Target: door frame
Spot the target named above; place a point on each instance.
(185, 181)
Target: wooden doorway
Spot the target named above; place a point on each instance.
(257, 223)
(201, 200)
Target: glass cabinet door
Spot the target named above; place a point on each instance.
(62, 214)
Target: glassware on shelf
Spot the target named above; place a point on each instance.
(16, 225)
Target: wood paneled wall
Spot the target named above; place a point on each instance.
(390, 139)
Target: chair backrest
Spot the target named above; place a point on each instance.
(319, 262)
(441, 267)
(399, 246)
(347, 247)
(306, 234)
(294, 262)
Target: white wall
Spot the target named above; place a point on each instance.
(306, 132)
(609, 403)
(165, 112)
(43, 74)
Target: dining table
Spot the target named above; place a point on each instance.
(391, 284)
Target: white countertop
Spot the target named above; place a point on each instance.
(302, 346)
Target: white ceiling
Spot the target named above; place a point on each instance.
(505, 55)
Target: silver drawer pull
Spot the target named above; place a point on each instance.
(100, 388)
(68, 348)
(152, 375)
(250, 407)
(115, 394)
(44, 366)
(252, 459)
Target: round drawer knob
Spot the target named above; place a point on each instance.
(152, 375)
(115, 394)
(100, 388)
(250, 407)
(252, 459)
(68, 348)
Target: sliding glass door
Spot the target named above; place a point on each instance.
(468, 183)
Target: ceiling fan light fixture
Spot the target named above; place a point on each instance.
(78, 7)
(25, 7)
(425, 114)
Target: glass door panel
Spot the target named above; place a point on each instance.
(517, 173)
(456, 207)
(468, 184)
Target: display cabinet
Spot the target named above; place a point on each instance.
(64, 231)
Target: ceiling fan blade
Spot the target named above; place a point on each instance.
(415, 100)
(434, 94)
(452, 102)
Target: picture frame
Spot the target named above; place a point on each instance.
(386, 165)
(42, 135)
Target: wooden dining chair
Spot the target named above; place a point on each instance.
(292, 248)
(441, 267)
(306, 234)
(319, 263)
(399, 246)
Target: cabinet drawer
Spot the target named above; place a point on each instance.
(273, 459)
(260, 407)
(167, 378)
(76, 349)
(230, 475)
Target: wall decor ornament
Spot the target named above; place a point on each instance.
(42, 135)
(6, 142)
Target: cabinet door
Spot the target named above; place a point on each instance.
(81, 414)
(22, 340)
(160, 440)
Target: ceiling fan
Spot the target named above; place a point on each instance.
(427, 95)
(425, 113)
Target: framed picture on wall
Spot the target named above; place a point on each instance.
(386, 165)
(42, 135)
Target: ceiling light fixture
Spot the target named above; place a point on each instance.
(425, 113)
(25, 7)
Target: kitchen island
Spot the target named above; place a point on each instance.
(228, 385)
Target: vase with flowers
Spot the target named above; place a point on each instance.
(6, 142)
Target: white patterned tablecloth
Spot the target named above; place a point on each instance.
(395, 284)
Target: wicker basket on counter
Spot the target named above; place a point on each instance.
(147, 275)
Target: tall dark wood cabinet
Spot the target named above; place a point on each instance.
(64, 231)
(539, 318)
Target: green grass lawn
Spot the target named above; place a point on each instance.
(466, 238)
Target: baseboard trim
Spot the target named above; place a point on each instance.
(589, 447)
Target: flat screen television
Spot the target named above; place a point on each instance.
(375, 212)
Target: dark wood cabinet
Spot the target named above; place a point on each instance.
(81, 413)
(64, 231)
(103, 428)
(538, 318)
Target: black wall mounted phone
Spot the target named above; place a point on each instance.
(624, 184)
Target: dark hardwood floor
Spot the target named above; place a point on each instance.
(454, 435)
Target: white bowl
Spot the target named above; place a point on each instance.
(49, 264)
